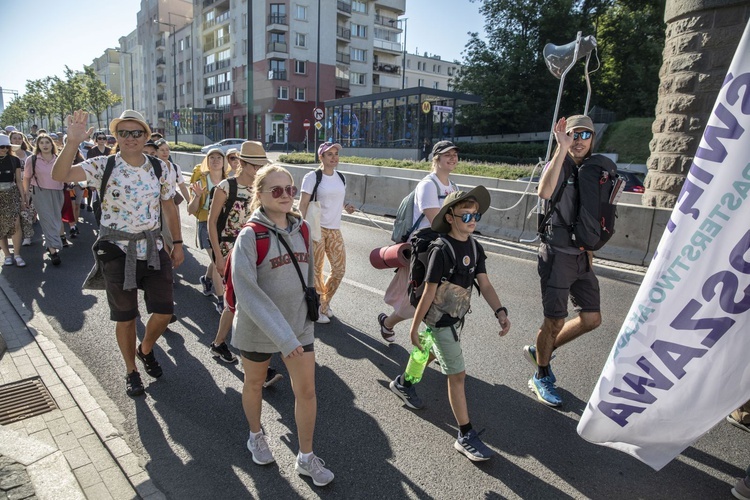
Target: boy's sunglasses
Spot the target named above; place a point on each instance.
(583, 135)
(277, 191)
(466, 218)
(4, 147)
(101, 138)
(135, 134)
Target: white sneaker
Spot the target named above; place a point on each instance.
(259, 448)
(322, 318)
(315, 469)
(26, 242)
(329, 313)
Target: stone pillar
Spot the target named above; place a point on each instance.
(701, 38)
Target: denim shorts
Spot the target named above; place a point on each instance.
(203, 242)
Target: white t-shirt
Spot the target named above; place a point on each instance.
(427, 197)
(331, 194)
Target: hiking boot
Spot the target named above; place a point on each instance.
(259, 448)
(387, 333)
(208, 286)
(545, 390)
(529, 352)
(741, 490)
(222, 352)
(407, 394)
(473, 447)
(734, 419)
(272, 377)
(133, 384)
(315, 469)
(149, 362)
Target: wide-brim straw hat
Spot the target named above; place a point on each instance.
(129, 115)
(253, 152)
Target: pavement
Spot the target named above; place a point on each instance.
(74, 451)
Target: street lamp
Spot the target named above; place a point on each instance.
(132, 87)
(403, 63)
(172, 29)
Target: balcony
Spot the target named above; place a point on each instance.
(387, 68)
(208, 3)
(344, 7)
(390, 22)
(161, 80)
(395, 5)
(343, 33)
(161, 62)
(276, 50)
(277, 75)
(278, 19)
(385, 45)
(161, 97)
(161, 115)
(343, 58)
(220, 19)
(160, 45)
(222, 40)
(342, 83)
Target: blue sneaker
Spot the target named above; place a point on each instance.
(545, 390)
(529, 352)
(407, 394)
(473, 447)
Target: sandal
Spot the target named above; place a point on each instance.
(20, 262)
(8, 261)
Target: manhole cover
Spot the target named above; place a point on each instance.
(23, 399)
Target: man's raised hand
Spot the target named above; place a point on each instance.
(77, 131)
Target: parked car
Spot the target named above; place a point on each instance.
(224, 145)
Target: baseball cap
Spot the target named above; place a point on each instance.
(579, 121)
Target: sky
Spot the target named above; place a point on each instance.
(42, 37)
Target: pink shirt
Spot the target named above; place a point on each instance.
(43, 177)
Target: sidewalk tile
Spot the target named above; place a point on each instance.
(45, 437)
(66, 441)
(81, 428)
(96, 451)
(84, 399)
(27, 371)
(65, 372)
(101, 424)
(98, 491)
(131, 466)
(58, 426)
(22, 360)
(35, 424)
(77, 457)
(117, 483)
(65, 401)
(118, 447)
(87, 475)
(52, 415)
(143, 484)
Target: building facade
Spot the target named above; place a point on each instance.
(429, 70)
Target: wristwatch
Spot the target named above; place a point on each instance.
(504, 309)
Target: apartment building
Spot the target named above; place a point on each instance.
(429, 70)
(107, 68)
(132, 81)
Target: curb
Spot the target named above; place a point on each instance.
(71, 371)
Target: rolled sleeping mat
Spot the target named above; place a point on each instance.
(392, 256)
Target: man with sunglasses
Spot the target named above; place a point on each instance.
(129, 251)
(564, 270)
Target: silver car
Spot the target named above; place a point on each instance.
(224, 145)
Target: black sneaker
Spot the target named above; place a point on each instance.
(133, 384)
(89, 209)
(74, 232)
(83, 206)
(272, 377)
(222, 352)
(149, 362)
(65, 243)
(55, 258)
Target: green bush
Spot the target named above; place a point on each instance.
(185, 147)
(493, 152)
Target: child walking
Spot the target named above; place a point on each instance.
(446, 300)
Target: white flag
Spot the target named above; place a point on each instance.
(681, 361)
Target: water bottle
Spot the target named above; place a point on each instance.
(418, 358)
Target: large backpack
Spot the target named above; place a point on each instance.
(97, 204)
(421, 244)
(262, 245)
(403, 226)
(221, 222)
(599, 188)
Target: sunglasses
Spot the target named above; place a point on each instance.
(466, 218)
(277, 191)
(8, 147)
(583, 135)
(135, 134)
(232, 158)
(101, 138)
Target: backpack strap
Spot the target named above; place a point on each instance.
(106, 175)
(440, 197)
(263, 239)
(221, 222)
(318, 179)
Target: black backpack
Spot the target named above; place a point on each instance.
(318, 179)
(599, 189)
(221, 222)
(423, 241)
(97, 204)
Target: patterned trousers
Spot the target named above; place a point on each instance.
(331, 245)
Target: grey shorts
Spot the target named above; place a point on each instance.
(562, 275)
(260, 357)
(448, 351)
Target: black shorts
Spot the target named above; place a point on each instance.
(156, 285)
(562, 275)
(260, 357)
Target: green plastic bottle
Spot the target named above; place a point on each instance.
(418, 358)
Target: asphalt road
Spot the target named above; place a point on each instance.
(190, 429)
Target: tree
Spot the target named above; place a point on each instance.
(68, 95)
(38, 96)
(98, 96)
(15, 113)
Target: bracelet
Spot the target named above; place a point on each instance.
(504, 309)
(174, 242)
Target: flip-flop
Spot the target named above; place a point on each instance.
(20, 262)
(8, 261)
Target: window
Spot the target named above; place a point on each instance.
(210, 58)
(408, 63)
(181, 45)
(182, 89)
(359, 30)
(300, 40)
(360, 7)
(420, 82)
(419, 65)
(358, 55)
(357, 78)
(180, 68)
(278, 70)
(300, 67)
(278, 13)
(224, 100)
(283, 93)
(436, 85)
(300, 12)
(187, 42)
(189, 65)
(189, 87)
(299, 94)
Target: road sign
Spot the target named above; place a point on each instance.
(175, 116)
(318, 125)
(306, 124)
(177, 123)
(426, 107)
(443, 109)
(318, 114)
(287, 118)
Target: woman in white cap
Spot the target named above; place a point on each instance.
(12, 199)
(48, 193)
(206, 176)
(327, 186)
(22, 150)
